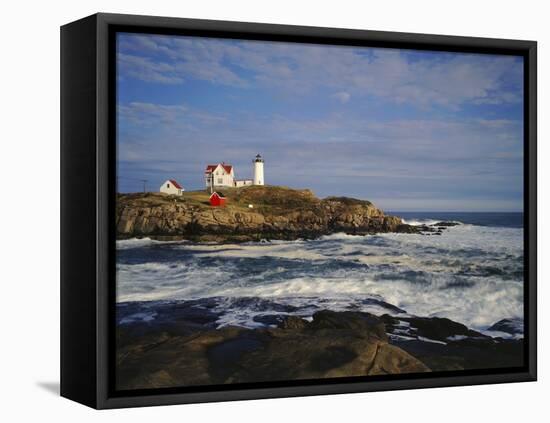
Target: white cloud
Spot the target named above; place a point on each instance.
(147, 69)
(426, 79)
(148, 57)
(342, 96)
(356, 147)
(471, 163)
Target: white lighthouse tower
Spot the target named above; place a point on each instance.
(258, 170)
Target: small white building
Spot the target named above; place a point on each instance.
(171, 187)
(243, 182)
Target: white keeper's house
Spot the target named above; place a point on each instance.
(171, 187)
(223, 175)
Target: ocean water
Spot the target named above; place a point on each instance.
(472, 273)
(504, 220)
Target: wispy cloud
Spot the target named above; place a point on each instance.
(418, 78)
(147, 70)
(368, 159)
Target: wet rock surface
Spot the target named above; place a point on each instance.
(180, 345)
(511, 326)
(445, 345)
(433, 328)
(177, 353)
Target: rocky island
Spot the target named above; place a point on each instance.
(252, 214)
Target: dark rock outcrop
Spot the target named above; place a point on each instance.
(177, 344)
(332, 345)
(434, 328)
(466, 354)
(293, 322)
(446, 224)
(445, 345)
(511, 326)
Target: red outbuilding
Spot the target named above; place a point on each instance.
(217, 199)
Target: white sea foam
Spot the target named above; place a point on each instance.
(433, 341)
(470, 274)
(499, 334)
(125, 244)
(420, 222)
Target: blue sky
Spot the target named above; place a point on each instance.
(407, 130)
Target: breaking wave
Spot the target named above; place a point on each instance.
(470, 274)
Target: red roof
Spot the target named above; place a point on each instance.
(178, 186)
(211, 168)
(217, 194)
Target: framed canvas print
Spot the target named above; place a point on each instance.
(255, 211)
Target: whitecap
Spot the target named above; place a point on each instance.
(470, 274)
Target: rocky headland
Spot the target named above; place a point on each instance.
(252, 214)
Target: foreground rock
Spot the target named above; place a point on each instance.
(445, 345)
(276, 213)
(510, 326)
(162, 344)
(178, 353)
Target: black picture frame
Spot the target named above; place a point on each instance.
(88, 193)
